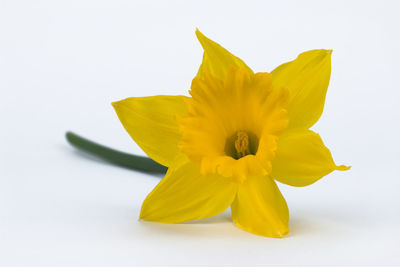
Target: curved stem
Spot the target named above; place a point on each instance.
(114, 156)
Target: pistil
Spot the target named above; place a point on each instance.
(242, 144)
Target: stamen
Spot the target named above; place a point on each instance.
(242, 144)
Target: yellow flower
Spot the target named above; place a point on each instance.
(237, 133)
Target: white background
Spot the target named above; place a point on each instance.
(63, 62)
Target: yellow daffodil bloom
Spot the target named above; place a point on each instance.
(228, 143)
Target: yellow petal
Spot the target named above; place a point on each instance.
(216, 59)
(184, 194)
(260, 208)
(151, 122)
(302, 158)
(307, 79)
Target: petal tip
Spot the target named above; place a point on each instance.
(282, 234)
(343, 168)
(199, 34)
(142, 216)
(278, 234)
(116, 104)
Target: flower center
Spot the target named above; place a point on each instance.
(232, 124)
(241, 144)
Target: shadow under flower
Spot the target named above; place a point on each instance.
(219, 226)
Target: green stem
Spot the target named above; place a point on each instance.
(114, 156)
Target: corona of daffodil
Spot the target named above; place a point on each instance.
(228, 143)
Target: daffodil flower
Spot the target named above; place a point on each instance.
(227, 144)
